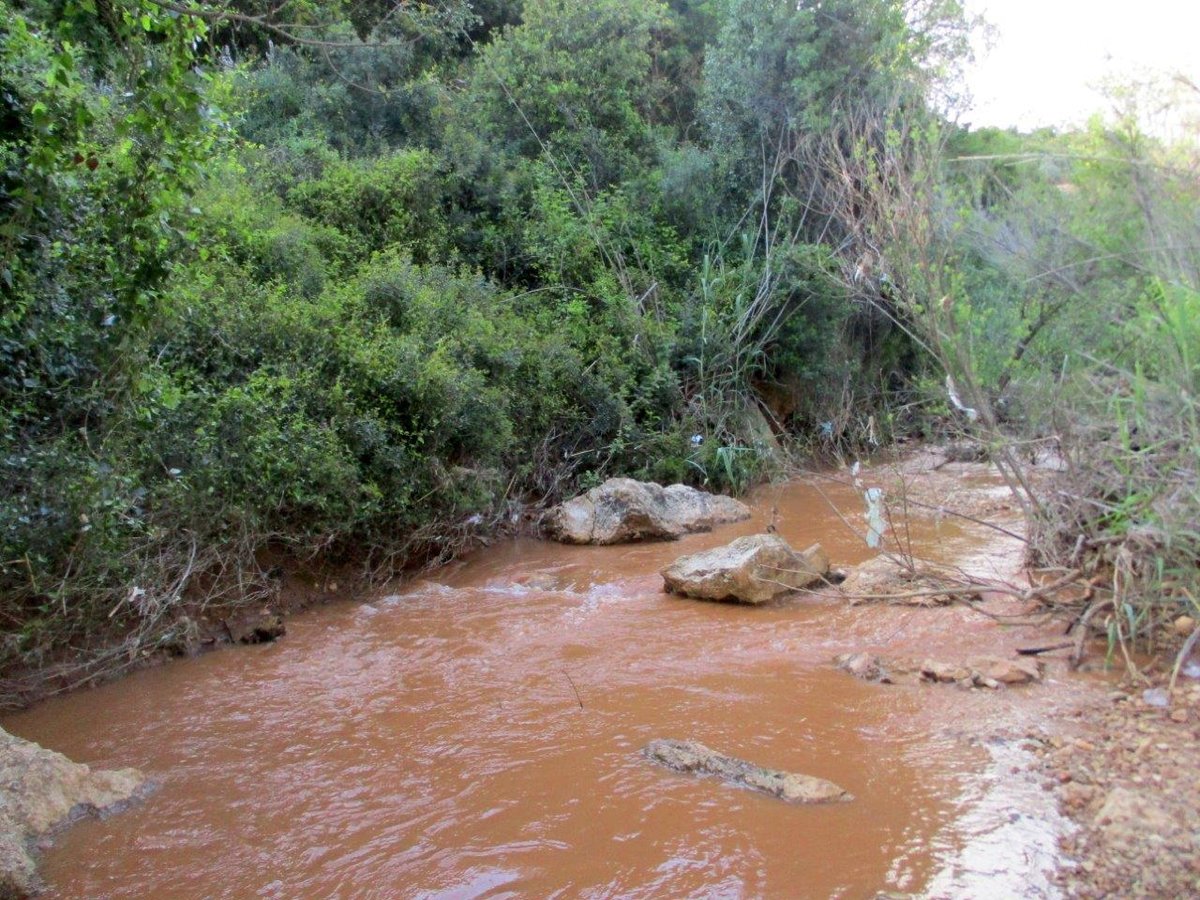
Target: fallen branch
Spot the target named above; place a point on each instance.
(1186, 651)
(1083, 622)
(574, 689)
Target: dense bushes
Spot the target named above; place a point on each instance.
(355, 294)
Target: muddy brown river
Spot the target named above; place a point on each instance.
(477, 734)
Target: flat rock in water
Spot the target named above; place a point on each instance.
(862, 665)
(623, 510)
(692, 758)
(752, 569)
(41, 790)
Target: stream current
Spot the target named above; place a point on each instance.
(477, 734)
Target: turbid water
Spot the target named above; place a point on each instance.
(477, 734)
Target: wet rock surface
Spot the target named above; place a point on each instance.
(40, 791)
(753, 569)
(623, 510)
(692, 758)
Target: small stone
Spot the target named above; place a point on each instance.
(1179, 715)
(1184, 626)
(1077, 796)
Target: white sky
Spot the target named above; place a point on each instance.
(1048, 52)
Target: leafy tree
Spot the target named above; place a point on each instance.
(785, 77)
(570, 83)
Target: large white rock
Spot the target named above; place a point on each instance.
(752, 569)
(41, 790)
(623, 510)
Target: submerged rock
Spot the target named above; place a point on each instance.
(41, 790)
(623, 510)
(692, 758)
(880, 576)
(752, 569)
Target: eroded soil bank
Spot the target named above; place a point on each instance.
(479, 734)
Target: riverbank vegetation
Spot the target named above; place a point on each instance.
(358, 282)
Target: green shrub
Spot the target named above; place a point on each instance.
(392, 201)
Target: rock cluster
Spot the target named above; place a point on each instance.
(984, 672)
(623, 510)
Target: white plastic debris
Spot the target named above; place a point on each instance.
(971, 414)
(875, 523)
